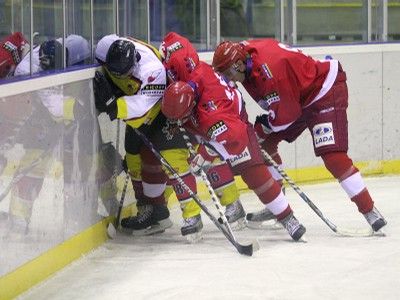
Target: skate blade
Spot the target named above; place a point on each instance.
(302, 240)
(238, 224)
(194, 237)
(271, 225)
(154, 229)
(380, 233)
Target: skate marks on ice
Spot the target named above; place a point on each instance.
(165, 266)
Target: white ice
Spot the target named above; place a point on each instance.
(326, 267)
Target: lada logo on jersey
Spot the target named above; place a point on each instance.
(267, 71)
(172, 48)
(323, 135)
(241, 158)
(268, 100)
(216, 129)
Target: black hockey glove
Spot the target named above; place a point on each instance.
(104, 97)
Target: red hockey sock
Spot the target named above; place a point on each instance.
(363, 201)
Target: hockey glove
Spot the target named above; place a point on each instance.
(262, 128)
(104, 97)
(202, 160)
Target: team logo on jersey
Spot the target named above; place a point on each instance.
(216, 129)
(154, 89)
(323, 135)
(171, 49)
(153, 76)
(190, 64)
(169, 130)
(210, 106)
(267, 71)
(241, 158)
(268, 100)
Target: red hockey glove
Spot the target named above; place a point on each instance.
(261, 127)
(202, 160)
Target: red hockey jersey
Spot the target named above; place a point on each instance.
(217, 115)
(12, 49)
(283, 80)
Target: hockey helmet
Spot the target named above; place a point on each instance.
(226, 54)
(121, 57)
(178, 101)
(50, 55)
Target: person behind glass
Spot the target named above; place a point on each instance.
(12, 50)
(298, 92)
(51, 111)
(209, 107)
(130, 88)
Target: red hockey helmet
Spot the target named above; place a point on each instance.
(178, 101)
(226, 54)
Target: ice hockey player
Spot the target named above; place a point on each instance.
(298, 92)
(172, 147)
(208, 107)
(130, 88)
(175, 47)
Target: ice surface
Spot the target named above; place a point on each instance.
(328, 266)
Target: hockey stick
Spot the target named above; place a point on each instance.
(121, 201)
(332, 226)
(203, 174)
(242, 249)
(112, 228)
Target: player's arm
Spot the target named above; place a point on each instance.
(149, 93)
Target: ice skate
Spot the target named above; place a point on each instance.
(375, 219)
(235, 215)
(262, 219)
(151, 219)
(293, 226)
(192, 229)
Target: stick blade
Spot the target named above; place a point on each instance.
(361, 232)
(248, 250)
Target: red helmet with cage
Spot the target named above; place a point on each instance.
(226, 54)
(178, 101)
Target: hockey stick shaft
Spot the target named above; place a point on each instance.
(204, 177)
(121, 201)
(331, 225)
(242, 249)
(271, 161)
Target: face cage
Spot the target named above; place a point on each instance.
(231, 72)
(127, 74)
